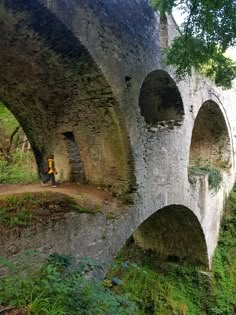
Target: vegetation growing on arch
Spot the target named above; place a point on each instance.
(170, 288)
(208, 30)
(202, 167)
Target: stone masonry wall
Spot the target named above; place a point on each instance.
(123, 39)
(52, 85)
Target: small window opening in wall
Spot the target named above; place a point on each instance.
(69, 135)
(128, 81)
(160, 100)
(76, 164)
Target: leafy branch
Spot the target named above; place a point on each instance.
(208, 31)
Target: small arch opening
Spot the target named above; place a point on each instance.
(75, 162)
(210, 141)
(160, 99)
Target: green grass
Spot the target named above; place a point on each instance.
(93, 210)
(165, 288)
(24, 209)
(59, 287)
(159, 289)
(22, 171)
(7, 120)
(214, 174)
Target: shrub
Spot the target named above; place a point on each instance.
(59, 287)
(167, 288)
(22, 171)
(214, 174)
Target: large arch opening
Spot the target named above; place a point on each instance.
(52, 85)
(173, 234)
(160, 99)
(210, 143)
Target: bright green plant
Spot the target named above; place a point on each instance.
(214, 174)
(16, 166)
(22, 171)
(214, 179)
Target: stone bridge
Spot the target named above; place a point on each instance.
(87, 81)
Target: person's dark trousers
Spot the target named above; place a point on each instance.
(52, 178)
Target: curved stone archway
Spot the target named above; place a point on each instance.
(160, 99)
(210, 137)
(52, 85)
(173, 233)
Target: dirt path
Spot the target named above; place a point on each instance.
(85, 195)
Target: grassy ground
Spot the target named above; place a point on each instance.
(23, 210)
(59, 287)
(21, 167)
(156, 288)
(21, 171)
(164, 289)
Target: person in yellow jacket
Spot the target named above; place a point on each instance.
(51, 171)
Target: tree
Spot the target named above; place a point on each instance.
(6, 143)
(207, 32)
(11, 134)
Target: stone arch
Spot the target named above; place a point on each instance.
(210, 137)
(160, 99)
(52, 85)
(173, 233)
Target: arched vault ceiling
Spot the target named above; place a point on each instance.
(52, 85)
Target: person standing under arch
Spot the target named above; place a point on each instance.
(50, 172)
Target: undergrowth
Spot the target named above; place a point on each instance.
(59, 287)
(21, 171)
(157, 288)
(24, 209)
(166, 288)
(16, 165)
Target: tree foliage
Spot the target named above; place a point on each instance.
(208, 30)
(9, 133)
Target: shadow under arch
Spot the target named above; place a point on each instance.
(210, 137)
(173, 233)
(52, 85)
(160, 99)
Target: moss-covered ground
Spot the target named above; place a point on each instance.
(25, 209)
(167, 288)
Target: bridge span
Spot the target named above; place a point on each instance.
(87, 81)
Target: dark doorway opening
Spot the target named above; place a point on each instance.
(76, 164)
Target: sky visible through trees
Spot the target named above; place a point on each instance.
(207, 31)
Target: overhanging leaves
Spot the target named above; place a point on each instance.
(207, 32)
